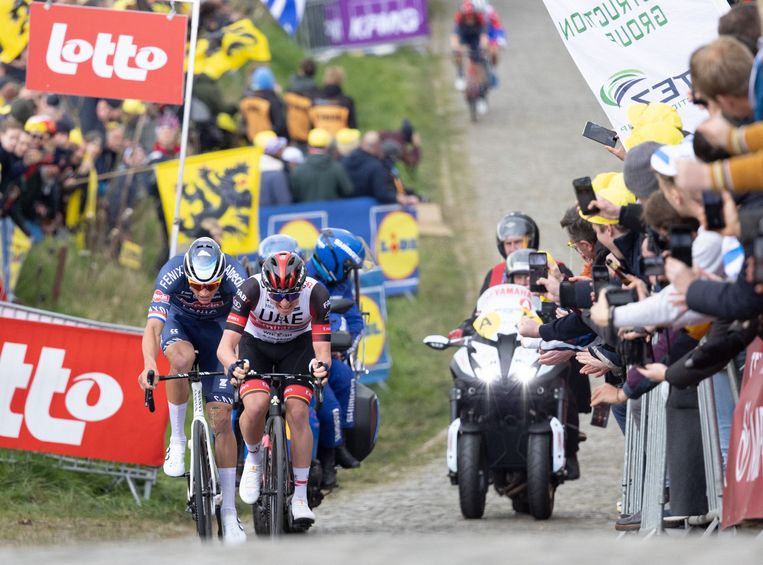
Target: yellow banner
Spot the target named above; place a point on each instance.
(223, 186)
(241, 42)
(14, 28)
(19, 246)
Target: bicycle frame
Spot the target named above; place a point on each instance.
(198, 416)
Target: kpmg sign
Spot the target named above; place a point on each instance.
(368, 22)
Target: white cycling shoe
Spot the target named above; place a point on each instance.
(251, 480)
(482, 106)
(174, 460)
(301, 512)
(233, 531)
(460, 84)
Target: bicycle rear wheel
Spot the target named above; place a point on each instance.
(275, 480)
(202, 483)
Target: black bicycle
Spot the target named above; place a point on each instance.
(271, 511)
(203, 492)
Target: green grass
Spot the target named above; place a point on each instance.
(64, 506)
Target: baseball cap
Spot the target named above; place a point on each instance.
(637, 171)
(318, 137)
(665, 157)
(262, 138)
(293, 155)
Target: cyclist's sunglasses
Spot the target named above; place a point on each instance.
(278, 296)
(198, 287)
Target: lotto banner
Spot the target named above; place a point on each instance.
(743, 493)
(222, 186)
(74, 391)
(391, 232)
(633, 52)
(106, 53)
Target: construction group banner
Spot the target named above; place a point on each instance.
(221, 187)
(632, 52)
(743, 492)
(391, 231)
(73, 391)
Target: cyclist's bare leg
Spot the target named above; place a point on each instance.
(301, 434)
(219, 414)
(181, 356)
(252, 421)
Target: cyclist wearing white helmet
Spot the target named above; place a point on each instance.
(192, 298)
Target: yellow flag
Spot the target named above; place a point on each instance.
(73, 208)
(20, 246)
(14, 28)
(92, 194)
(240, 43)
(224, 186)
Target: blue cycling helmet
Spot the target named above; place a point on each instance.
(337, 252)
(275, 243)
(204, 262)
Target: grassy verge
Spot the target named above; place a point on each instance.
(45, 505)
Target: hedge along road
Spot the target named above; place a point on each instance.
(521, 156)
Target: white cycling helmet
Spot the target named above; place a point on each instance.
(204, 261)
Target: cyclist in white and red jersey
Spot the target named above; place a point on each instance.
(280, 323)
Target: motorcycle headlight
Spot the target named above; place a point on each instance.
(485, 374)
(523, 373)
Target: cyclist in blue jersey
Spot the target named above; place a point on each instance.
(192, 298)
(337, 253)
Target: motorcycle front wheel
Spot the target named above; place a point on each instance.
(472, 476)
(540, 487)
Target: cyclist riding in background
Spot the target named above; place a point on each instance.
(279, 322)
(470, 33)
(337, 254)
(192, 298)
(496, 34)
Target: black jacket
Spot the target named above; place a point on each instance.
(369, 177)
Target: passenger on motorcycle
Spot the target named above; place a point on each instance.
(279, 322)
(470, 35)
(337, 254)
(192, 298)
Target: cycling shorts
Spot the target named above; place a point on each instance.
(204, 336)
(288, 357)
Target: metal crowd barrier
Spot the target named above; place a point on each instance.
(645, 459)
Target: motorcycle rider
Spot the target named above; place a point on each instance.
(337, 254)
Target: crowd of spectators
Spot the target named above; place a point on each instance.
(677, 230)
(50, 143)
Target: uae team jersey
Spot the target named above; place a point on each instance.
(254, 313)
(172, 292)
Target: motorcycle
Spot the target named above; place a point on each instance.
(507, 411)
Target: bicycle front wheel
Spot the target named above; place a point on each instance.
(202, 483)
(276, 477)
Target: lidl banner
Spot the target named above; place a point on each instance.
(222, 186)
(391, 232)
(14, 246)
(632, 52)
(373, 348)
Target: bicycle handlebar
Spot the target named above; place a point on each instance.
(151, 377)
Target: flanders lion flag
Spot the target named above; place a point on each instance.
(14, 28)
(229, 50)
(222, 186)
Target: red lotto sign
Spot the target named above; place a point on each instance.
(74, 391)
(106, 53)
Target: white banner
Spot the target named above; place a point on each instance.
(637, 50)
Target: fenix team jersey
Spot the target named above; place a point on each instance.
(173, 293)
(254, 313)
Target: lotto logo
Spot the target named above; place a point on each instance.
(129, 62)
(106, 53)
(51, 379)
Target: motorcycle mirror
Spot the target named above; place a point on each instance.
(437, 341)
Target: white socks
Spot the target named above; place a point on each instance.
(177, 422)
(300, 482)
(228, 489)
(254, 457)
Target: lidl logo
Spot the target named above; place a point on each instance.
(397, 245)
(375, 335)
(304, 231)
(631, 85)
